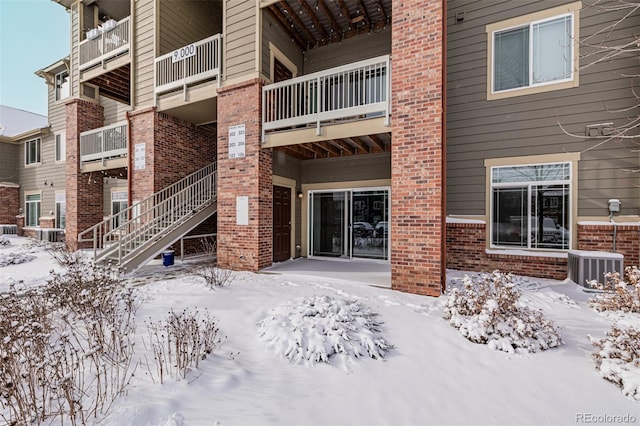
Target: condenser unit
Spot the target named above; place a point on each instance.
(8, 229)
(50, 235)
(585, 266)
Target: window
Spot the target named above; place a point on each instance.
(61, 147)
(61, 210)
(530, 206)
(118, 208)
(62, 85)
(32, 209)
(533, 53)
(32, 151)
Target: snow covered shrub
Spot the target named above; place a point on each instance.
(66, 346)
(213, 276)
(315, 329)
(180, 341)
(15, 258)
(633, 275)
(488, 310)
(618, 358)
(4, 242)
(618, 296)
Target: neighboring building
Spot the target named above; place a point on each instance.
(28, 170)
(316, 128)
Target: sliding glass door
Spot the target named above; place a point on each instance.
(350, 223)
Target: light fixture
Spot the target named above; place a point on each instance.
(300, 194)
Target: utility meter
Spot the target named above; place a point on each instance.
(614, 205)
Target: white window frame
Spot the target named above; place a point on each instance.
(27, 150)
(61, 147)
(529, 184)
(28, 205)
(62, 90)
(121, 197)
(570, 9)
(61, 200)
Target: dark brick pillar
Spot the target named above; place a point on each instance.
(9, 203)
(85, 205)
(417, 180)
(244, 247)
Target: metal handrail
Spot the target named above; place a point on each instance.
(104, 142)
(164, 209)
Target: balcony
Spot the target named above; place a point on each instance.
(187, 80)
(326, 104)
(104, 148)
(105, 44)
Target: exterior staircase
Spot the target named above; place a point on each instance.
(148, 227)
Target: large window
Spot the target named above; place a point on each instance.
(62, 85)
(118, 208)
(32, 151)
(61, 210)
(32, 209)
(533, 53)
(530, 206)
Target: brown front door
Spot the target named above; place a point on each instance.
(281, 223)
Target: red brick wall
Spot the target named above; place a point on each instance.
(244, 247)
(84, 190)
(466, 250)
(417, 179)
(173, 150)
(9, 204)
(600, 238)
(47, 222)
(20, 220)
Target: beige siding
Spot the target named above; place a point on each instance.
(239, 39)
(9, 157)
(144, 52)
(57, 117)
(114, 111)
(74, 54)
(348, 168)
(32, 177)
(529, 124)
(186, 22)
(273, 34)
(350, 50)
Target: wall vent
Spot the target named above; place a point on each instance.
(585, 266)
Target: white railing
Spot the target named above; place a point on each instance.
(111, 41)
(104, 143)
(177, 70)
(361, 89)
(142, 222)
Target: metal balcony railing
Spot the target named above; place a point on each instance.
(189, 64)
(110, 41)
(357, 90)
(104, 143)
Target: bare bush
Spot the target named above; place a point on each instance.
(67, 346)
(618, 358)
(180, 342)
(4, 242)
(212, 274)
(488, 310)
(618, 296)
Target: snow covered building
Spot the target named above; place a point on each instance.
(425, 134)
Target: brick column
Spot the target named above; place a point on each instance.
(417, 180)
(9, 203)
(141, 180)
(83, 190)
(244, 247)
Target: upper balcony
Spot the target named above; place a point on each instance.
(189, 76)
(323, 104)
(104, 148)
(105, 58)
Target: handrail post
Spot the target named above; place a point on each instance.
(320, 93)
(387, 121)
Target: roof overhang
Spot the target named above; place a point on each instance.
(43, 131)
(49, 72)
(66, 3)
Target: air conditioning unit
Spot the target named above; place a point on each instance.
(585, 266)
(50, 235)
(8, 229)
(93, 33)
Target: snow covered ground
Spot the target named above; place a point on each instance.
(432, 375)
